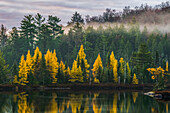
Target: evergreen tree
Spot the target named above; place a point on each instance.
(45, 77)
(27, 31)
(142, 60)
(3, 36)
(3, 70)
(15, 73)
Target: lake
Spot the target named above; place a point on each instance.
(80, 102)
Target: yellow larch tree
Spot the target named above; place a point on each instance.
(135, 80)
(55, 66)
(112, 60)
(68, 71)
(76, 73)
(82, 61)
(29, 62)
(52, 65)
(115, 74)
(166, 66)
(128, 72)
(121, 69)
(36, 59)
(22, 74)
(114, 65)
(62, 67)
(96, 65)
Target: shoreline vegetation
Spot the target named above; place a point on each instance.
(39, 55)
(79, 86)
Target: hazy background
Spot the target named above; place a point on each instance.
(13, 11)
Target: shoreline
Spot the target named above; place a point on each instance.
(77, 87)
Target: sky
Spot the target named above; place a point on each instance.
(13, 11)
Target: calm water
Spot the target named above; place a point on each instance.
(80, 102)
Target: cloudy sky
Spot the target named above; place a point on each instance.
(13, 11)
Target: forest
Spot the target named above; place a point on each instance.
(40, 53)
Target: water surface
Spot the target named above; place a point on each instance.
(80, 102)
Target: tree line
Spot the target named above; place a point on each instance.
(42, 39)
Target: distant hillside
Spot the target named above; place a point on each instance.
(154, 18)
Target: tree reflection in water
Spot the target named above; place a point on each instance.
(86, 102)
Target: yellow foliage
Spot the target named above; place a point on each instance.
(15, 81)
(29, 62)
(115, 71)
(68, 71)
(55, 66)
(52, 65)
(23, 106)
(115, 103)
(81, 55)
(134, 95)
(22, 74)
(135, 80)
(62, 67)
(121, 65)
(53, 106)
(112, 60)
(166, 66)
(96, 80)
(76, 73)
(36, 59)
(156, 71)
(96, 65)
(153, 77)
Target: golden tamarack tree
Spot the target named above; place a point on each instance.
(82, 61)
(114, 65)
(76, 73)
(96, 66)
(31, 67)
(135, 80)
(159, 74)
(52, 65)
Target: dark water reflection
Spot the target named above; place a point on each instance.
(80, 102)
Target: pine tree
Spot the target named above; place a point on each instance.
(97, 66)
(23, 74)
(135, 80)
